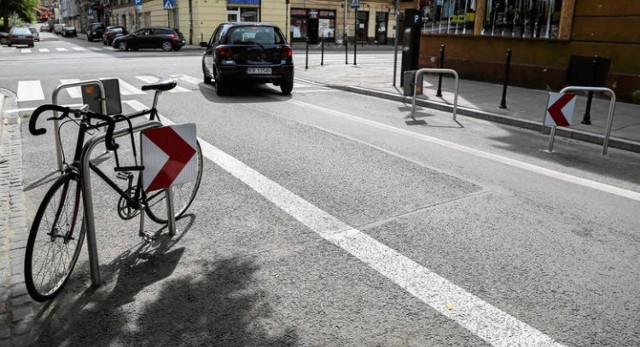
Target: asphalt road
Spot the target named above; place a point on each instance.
(328, 219)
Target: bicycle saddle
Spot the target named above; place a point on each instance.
(163, 84)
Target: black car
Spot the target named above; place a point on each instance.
(166, 38)
(69, 31)
(111, 33)
(246, 52)
(95, 31)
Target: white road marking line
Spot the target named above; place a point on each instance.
(188, 79)
(26, 109)
(74, 92)
(154, 79)
(25, 50)
(30, 90)
(61, 49)
(486, 155)
(44, 50)
(481, 318)
(95, 48)
(79, 49)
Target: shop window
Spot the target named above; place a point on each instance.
(522, 18)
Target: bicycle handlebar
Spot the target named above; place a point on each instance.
(111, 124)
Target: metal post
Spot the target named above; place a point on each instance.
(395, 48)
(586, 119)
(346, 50)
(322, 54)
(171, 217)
(503, 102)
(306, 59)
(439, 92)
(355, 34)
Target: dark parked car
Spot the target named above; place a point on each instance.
(69, 31)
(166, 38)
(4, 38)
(111, 33)
(247, 52)
(95, 31)
(20, 36)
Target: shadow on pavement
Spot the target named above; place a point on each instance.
(213, 305)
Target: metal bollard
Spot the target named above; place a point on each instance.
(346, 49)
(503, 102)
(322, 53)
(586, 119)
(439, 92)
(306, 59)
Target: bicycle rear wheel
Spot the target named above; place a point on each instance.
(55, 239)
(183, 195)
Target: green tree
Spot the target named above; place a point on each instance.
(19, 9)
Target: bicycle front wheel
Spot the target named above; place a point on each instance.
(183, 195)
(55, 239)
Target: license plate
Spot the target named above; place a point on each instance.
(259, 70)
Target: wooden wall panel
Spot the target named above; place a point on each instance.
(607, 8)
(607, 29)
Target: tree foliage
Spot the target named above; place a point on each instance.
(17, 10)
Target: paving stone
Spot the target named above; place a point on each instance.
(22, 327)
(21, 313)
(18, 289)
(21, 300)
(5, 333)
(15, 279)
(18, 238)
(22, 340)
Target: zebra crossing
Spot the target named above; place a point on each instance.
(40, 90)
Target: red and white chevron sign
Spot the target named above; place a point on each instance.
(168, 156)
(560, 109)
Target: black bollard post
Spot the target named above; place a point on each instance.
(322, 54)
(503, 102)
(346, 49)
(439, 93)
(355, 34)
(306, 59)
(586, 119)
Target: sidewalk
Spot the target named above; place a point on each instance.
(524, 107)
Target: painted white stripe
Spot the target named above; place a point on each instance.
(73, 92)
(126, 88)
(154, 79)
(25, 50)
(30, 90)
(481, 318)
(188, 79)
(44, 50)
(79, 49)
(95, 48)
(61, 49)
(486, 155)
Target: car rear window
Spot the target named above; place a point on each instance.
(20, 31)
(254, 34)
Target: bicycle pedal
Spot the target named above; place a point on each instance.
(147, 236)
(124, 175)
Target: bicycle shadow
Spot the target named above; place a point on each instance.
(143, 301)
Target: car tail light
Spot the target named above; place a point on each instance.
(11, 36)
(224, 52)
(174, 36)
(29, 36)
(286, 52)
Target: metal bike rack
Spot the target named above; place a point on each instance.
(417, 78)
(612, 106)
(54, 100)
(89, 222)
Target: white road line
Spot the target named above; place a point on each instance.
(79, 49)
(44, 50)
(154, 79)
(73, 92)
(30, 90)
(95, 48)
(25, 50)
(481, 318)
(188, 79)
(61, 49)
(486, 155)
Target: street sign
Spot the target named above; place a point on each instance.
(560, 109)
(168, 156)
(137, 4)
(168, 4)
(355, 3)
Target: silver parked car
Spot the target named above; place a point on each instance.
(35, 33)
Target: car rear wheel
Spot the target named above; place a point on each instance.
(221, 86)
(286, 85)
(167, 46)
(123, 46)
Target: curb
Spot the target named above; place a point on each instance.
(614, 142)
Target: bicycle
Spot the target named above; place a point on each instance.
(55, 240)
